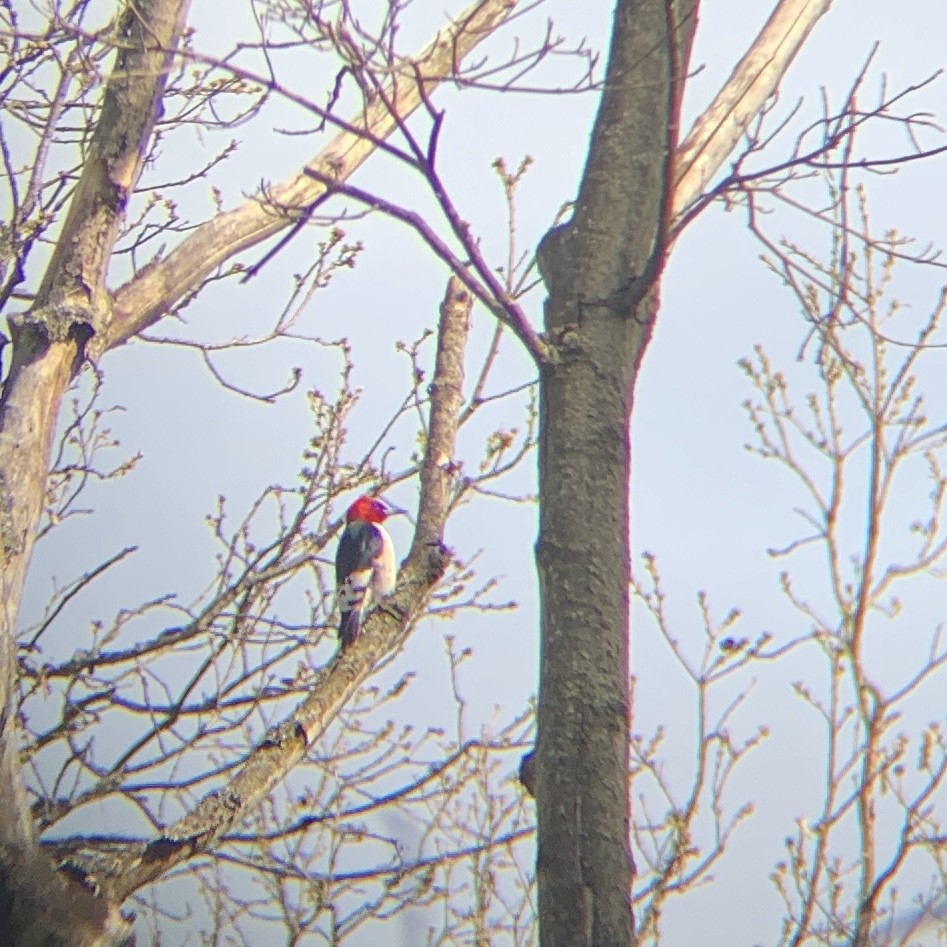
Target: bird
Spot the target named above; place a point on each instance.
(365, 567)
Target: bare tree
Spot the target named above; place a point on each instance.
(602, 270)
(72, 317)
(267, 774)
(862, 435)
(865, 434)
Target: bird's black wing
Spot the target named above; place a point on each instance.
(358, 551)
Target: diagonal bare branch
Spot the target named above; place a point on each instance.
(141, 302)
(220, 812)
(754, 80)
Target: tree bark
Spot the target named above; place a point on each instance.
(601, 270)
(127, 868)
(74, 317)
(157, 288)
(752, 83)
(49, 343)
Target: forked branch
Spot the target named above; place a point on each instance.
(126, 869)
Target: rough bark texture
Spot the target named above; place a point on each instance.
(126, 868)
(49, 342)
(601, 270)
(74, 315)
(147, 298)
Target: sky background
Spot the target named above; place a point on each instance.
(700, 502)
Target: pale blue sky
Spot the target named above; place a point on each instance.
(705, 507)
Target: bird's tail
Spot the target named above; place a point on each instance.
(349, 626)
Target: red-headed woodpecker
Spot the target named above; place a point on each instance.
(364, 563)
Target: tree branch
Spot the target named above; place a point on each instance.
(754, 80)
(71, 306)
(123, 872)
(145, 299)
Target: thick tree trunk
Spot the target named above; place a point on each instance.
(601, 270)
(49, 343)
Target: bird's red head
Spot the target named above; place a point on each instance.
(369, 509)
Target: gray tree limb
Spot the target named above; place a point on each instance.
(145, 299)
(752, 83)
(126, 869)
(49, 342)
(602, 270)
